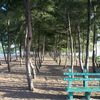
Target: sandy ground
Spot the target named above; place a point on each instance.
(49, 84)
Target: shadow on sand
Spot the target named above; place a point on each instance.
(22, 93)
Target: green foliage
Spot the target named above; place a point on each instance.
(98, 58)
(49, 18)
(63, 49)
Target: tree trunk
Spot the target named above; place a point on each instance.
(38, 55)
(20, 51)
(66, 52)
(59, 50)
(74, 50)
(75, 57)
(37, 67)
(59, 58)
(86, 68)
(33, 69)
(28, 43)
(55, 50)
(8, 53)
(94, 42)
(88, 35)
(71, 41)
(43, 46)
(93, 56)
(80, 56)
(83, 48)
(8, 48)
(16, 52)
(10, 57)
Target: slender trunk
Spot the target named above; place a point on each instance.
(16, 52)
(59, 58)
(66, 52)
(86, 68)
(96, 48)
(43, 47)
(33, 69)
(80, 56)
(10, 57)
(71, 41)
(75, 58)
(20, 50)
(55, 50)
(94, 41)
(83, 49)
(37, 67)
(28, 43)
(38, 55)
(59, 51)
(8, 47)
(93, 56)
(67, 46)
(66, 58)
(8, 53)
(38, 44)
(74, 50)
(88, 35)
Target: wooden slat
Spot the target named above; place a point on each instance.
(80, 74)
(83, 89)
(81, 79)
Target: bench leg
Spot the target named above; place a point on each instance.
(70, 96)
(87, 95)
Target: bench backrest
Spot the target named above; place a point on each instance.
(85, 77)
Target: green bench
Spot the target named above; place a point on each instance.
(85, 77)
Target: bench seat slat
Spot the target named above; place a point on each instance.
(80, 74)
(83, 89)
(81, 79)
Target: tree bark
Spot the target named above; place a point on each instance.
(83, 48)
(74, 50)
(59, 50)
(93, 56)
(71, 41)
(59, 57)
(94, 42)
(66, 53)
(20, 51)
(8, 48)
(88, 37)
(80, 50)
(28, 43)
(43, 47)
(16, 52)
(33, 69)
